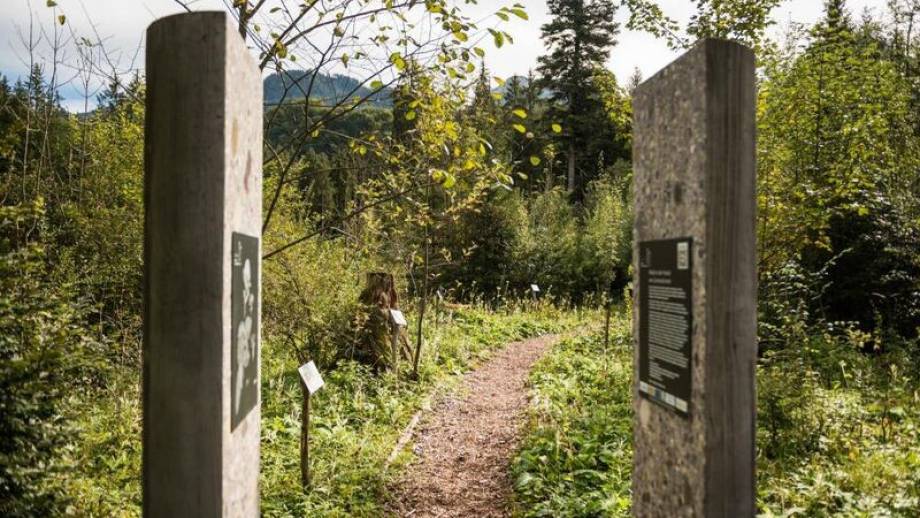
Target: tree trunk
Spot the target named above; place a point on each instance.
(571, 157)
(380, 339)
(421, 309)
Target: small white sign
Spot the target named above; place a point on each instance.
(534, 288)
(683, 255)
(398, 318)
(311, 377)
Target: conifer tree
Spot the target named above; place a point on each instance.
(579, 39)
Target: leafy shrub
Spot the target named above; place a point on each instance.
(41, 343)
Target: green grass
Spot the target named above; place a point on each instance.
(576, 459)
(358, 417)
(838, 429)
(356, 420)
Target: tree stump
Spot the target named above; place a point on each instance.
(382, 343)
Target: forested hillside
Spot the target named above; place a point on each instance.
(329, 89)
(469, 189)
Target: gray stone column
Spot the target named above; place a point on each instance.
(694, 254)
(203, 204)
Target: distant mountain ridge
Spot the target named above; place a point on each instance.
(329, 89)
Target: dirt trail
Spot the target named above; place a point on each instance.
(465, 443)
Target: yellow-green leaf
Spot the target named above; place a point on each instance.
(498, 37)
(398, 61)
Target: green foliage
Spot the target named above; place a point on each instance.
(357, 418)
(512, 241)
(835, 153)
(579, 38)
(576, 459)
(744, 21)
(42, 344)
(838, 430)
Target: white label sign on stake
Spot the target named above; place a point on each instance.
(311, 377)
(534, 288)
(398, 318)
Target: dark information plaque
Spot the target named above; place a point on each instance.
(244, 333)
(666, 322)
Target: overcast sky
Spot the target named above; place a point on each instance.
(122, 23)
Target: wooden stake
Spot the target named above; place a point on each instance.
(305, 439)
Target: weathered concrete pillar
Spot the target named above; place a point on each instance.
(695, 306)
(203, 203)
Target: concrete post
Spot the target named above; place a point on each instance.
(203, 203)
(695, 305)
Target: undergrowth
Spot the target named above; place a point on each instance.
(838, 428)
(576, 458)
(356, 420)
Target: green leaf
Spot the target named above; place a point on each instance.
(520, 13)
(398, 61)
(520, 113)
(498, 37)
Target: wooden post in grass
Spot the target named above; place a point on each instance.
(305, 438)
(311, 381)
(202, 257)
(695, 305)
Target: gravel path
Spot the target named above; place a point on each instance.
(464, 445)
